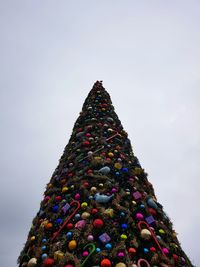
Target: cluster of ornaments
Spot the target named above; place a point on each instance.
(99, 209)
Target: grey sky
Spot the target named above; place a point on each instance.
(148, 55)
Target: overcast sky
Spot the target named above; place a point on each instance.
(148, 55)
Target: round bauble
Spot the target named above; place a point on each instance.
(72, 245)
(105, 263)
(120, 254)
(48, 225)
(93, 189)
(85, 215)
(85, 253)
(139, 216)
(145, 234)
(120, 264)
(98, 223)
(84, 205)
(165, 250)
(48, 262)
(132, 250)
(90, 238)
(77, 196)
(32, 262)
(58, 198)
(123, 237)
(44, 256)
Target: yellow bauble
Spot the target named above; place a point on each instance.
(65, 189)
(84, 204)
(72, 245)
(123, 237)
(32, 238)
(161, 231)
(85, 215)
(120, 264)
(50, 185)
(118, 166)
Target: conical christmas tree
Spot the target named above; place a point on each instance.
(99, 209)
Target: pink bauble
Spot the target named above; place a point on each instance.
(139, 216)
(120, 254)
(165, 250)
(77, 196)
(85, 253)
(90, 238)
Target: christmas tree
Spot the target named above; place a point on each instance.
(99, 209)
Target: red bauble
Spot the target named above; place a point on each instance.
(175, 257)
(152, 249)
(105, 263)
(86, 184)
(48, 262)
(69, 265)
(70, 226)
(94, 211)
(86, 143)
(98, 223)
(132, 250)
(58, 198)
(152, 211)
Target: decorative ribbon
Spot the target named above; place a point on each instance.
(90, 254)
(143, 261)
(68, 219)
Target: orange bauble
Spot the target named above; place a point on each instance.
(105, 263)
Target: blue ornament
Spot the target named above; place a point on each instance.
(44, 256)
(152, 203)
(108, 246)
(55, 208)
(69, 234)
(146, 250)
(98, 250)
(122, 214)
(117, 173)
(77, 216)
(59, 221)
(44, 240)
(124, 226)
(44, 247)
(102, 198)
(142, 206)
(105, 170)
(125, 170)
